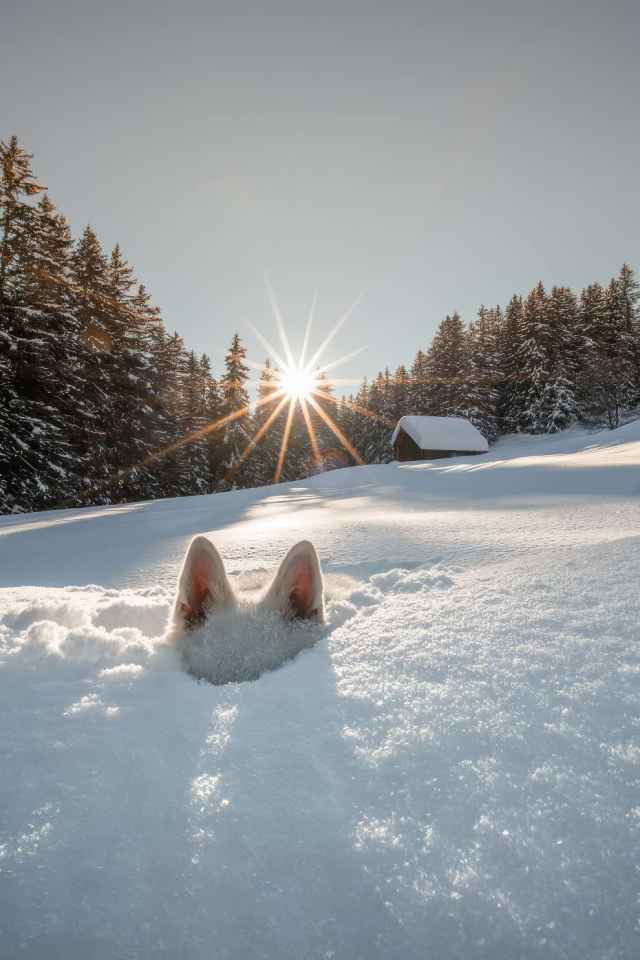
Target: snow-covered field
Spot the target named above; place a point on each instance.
(452, 771)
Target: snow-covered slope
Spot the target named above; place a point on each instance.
(452, 771)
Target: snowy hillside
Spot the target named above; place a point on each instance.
(452, 771)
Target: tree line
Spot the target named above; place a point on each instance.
(100, 404)
(547, 360)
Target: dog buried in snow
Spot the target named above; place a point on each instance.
(224, 640)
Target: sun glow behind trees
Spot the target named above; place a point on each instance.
(300, 384)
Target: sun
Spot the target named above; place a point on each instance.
(297, 383)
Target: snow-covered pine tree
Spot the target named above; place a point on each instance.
(349, 422)
(629, 305)
(326, 440)
(193, 423)
(400, 393)
(8, 402)
(298, 450)
(89, 277)
(533, 359)
(377, 448)
(608, 368)
(213, 413)
(141, 385)
(618, 361)
(480, 390)
(337, 456)
(18, 217)
(448, 367)
(354, 424)
(419, 385)
(130, 428)
(161, 429)
(235, 406)
(262, 461)
(39, 383)
(510, 384)
(591, 321)
(53, 355)
(559, 406)
(167, 459)
(89, 273)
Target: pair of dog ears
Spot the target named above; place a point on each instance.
(296, 593)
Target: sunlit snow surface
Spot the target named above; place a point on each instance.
(452, 771)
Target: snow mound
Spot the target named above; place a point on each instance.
(82, 627)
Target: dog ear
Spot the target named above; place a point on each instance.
(202, 585)
(297, 591)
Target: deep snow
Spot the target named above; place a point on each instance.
(452, 771)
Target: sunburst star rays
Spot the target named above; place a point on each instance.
(304, 383)
(301, 384)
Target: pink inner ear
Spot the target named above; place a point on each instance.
(200, 590)
(300, 595)
(200, 586)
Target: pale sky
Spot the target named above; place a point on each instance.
(433, 156)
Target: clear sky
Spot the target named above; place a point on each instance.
(433, 156)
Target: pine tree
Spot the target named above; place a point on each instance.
(480, 390)
(297, 461)
(158, 427)
(89, 277)
(193, 422)
(618, 359)
(533, 357)
(18, 218)
(264, 458)
(38, 382)
(559, 406)
(351, 424)
(510, 386)
(167, 458)
(400, 393)
(419, 387)
(376, 446)
(212, 413)
(325, 438)
(53, 354)
(235, 407)
(354, 425)
(591, 320)
(8, 403)
(449, 368)
(629, 306)
(130, 320)
(89, 273)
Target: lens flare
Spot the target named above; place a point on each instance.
(297, 383)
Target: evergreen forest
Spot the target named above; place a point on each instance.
(100, 404)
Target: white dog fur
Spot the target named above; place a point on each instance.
(224, 640)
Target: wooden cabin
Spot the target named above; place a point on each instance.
(432, 438)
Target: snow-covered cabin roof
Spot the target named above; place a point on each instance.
(442, 433)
